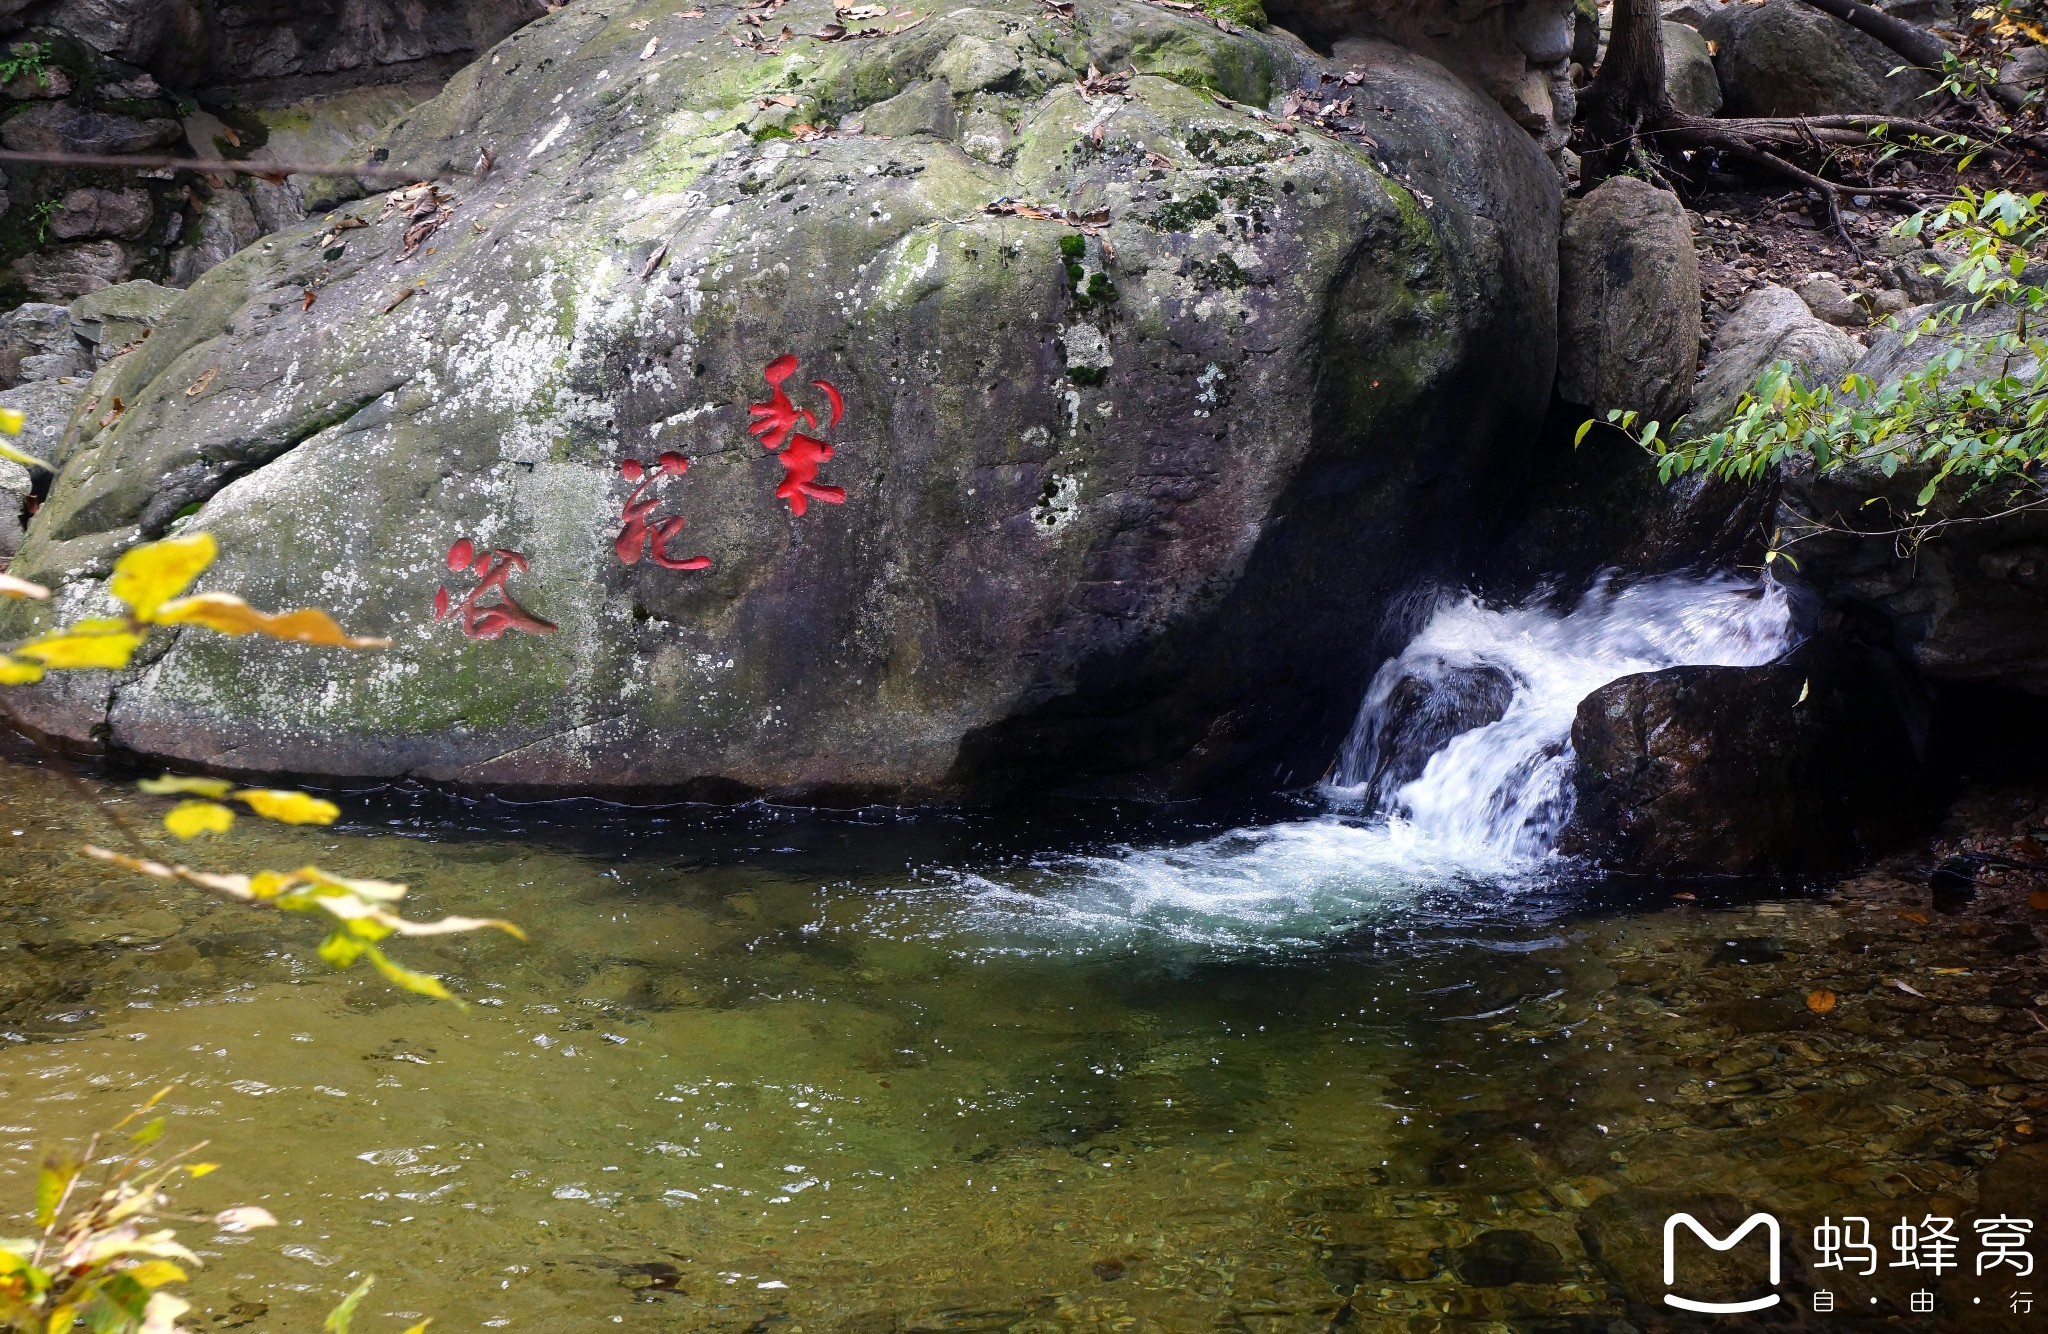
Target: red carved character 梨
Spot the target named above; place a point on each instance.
(638, 536)
(775, 425)
(492, 570)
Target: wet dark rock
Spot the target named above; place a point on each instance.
(1804, 764)
(1754, 949)
(1423, 712)
(1503, 1256)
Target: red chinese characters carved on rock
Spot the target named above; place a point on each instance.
(775, 425)
(638, 536)
(492, 570)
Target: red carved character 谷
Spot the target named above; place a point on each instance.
(492, 570)
(638, 536)
(775, 425)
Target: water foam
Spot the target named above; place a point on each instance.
(1471, 832)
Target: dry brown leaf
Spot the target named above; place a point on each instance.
(653, 45)
(198, 386)
(1820, 1001)
(1906, 987)
(404, 296)
(113, 413)
(307, 298)
(640, 25)
(1919, 917)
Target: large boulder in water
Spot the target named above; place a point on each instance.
(1806, 764)
(1144, 408)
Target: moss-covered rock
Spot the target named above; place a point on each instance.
(1127, 515)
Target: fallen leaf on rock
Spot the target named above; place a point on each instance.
(640, 25)
(1951, 972)
(399, 300)
(1160, 160)
(778, 100)
(653, 45)
(654, 261)
(198, 386)
(307, 298)
(1820, 1002)
(1906, 987)
(1919, 917)
(113, 413)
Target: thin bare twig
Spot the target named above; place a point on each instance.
(225, 166)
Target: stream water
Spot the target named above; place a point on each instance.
(1367, 1061)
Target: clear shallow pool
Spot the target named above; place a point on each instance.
(766, 1071)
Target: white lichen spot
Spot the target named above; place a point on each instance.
(547, 141)
(1060, 503)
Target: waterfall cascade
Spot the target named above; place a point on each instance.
(1466, 736)
(1448, 794)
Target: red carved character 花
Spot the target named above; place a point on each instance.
(638, 536)
(775, 425)
(492, 570)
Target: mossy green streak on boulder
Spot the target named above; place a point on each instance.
(1136, 530)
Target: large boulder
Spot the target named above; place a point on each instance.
(1807, 764)
(1145, 410)
(1772, 324)
(1786, 58)
(1628, 301)
(1518, 51)
(1689, 71)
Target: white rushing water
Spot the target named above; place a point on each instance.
(1501, 791)
(1451, 788)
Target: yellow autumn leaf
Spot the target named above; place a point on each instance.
(148, 576)
(201, 1169)
(12, 587)
(422, 984)
(62, 1318)
(156, 1273)
(288, 807)
(189, 819)
(8, 451)
(232, 616)
(12, 420)
(97, 643)
(421, 1327)
(171, 785)
(15, 672)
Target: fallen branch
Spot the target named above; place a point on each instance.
(271, 171)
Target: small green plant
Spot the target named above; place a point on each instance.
(1971, 422)
(26, 58)
(40, 216)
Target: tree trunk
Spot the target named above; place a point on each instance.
(1628, 92)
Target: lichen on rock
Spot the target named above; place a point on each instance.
(1101, 579)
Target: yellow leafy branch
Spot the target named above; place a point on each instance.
(355, 906)
(148, 580)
